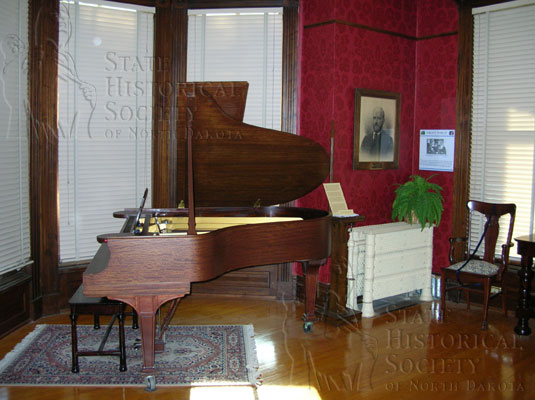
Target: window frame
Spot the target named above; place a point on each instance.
(49, 279)
(464, 120)
(19, 207)
(79, 65)
(165, 191)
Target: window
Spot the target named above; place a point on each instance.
(503, 110)
(244, 45)
(105, 118)
(14, 196)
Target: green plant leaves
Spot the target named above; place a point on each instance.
(421, 198)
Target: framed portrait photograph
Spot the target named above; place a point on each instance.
(376, 130)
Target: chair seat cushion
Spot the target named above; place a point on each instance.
(479, 267)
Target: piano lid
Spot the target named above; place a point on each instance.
(236, 164)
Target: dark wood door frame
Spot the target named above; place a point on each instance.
(43, 137)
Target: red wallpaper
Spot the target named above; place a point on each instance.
(435, 109)
(316, 11)
(336, 58)
(436, 17)
(392, 15)
(435, 98)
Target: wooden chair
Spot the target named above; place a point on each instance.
(97, 306)
(476, 275)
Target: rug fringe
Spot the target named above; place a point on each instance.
(252, 359)
(20, 347)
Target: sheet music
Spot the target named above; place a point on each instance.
(337, 201)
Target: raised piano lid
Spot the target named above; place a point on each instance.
(236, 164)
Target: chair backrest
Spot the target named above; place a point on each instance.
(492, 213)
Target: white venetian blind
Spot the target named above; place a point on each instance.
(105, 106)
(240, 45)
(503, 110)
(14, 205)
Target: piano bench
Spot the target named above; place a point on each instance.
(97, 306)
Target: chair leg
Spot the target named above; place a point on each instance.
(135, 324)
(486, 296)
(467, 299)
(74, 343)
(122, 348)
(96, 321)
(504, 300)
(442, 312)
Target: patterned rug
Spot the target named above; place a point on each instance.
(194, 355)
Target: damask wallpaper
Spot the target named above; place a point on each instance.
(408, 47)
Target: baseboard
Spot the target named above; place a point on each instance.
(322, 294)
(513, 287)
(15, 300)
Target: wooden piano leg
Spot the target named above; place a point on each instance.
(147, 323)
(310, 271)
(146, 307)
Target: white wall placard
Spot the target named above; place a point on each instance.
(437, 147)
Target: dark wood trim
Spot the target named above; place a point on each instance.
(355, 25)
(69, 278)
(237, 3)
(43, 137)
(378, 30)
(200, 4)
(463, 118)
(146, 3)
(290, 40)
(15, 295)
(179, 58)
(322, 294)
(438, 35)
(478, 3)
(170, 46)
(260, 282)
(289, 68)
(284, 282)
(331, 299)
(463, 121)
(336, 310)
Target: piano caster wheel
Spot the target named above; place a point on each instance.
(137, 344)
(150, 381)
(307, 327)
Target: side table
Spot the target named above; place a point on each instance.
(336, 311)
(526, 249)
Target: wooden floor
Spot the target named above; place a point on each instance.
(404, 354)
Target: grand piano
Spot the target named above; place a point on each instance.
(232, 177)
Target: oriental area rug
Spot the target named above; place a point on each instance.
(193, 356)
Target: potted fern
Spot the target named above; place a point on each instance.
(418, 198)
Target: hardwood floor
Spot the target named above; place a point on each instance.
(404, 354)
